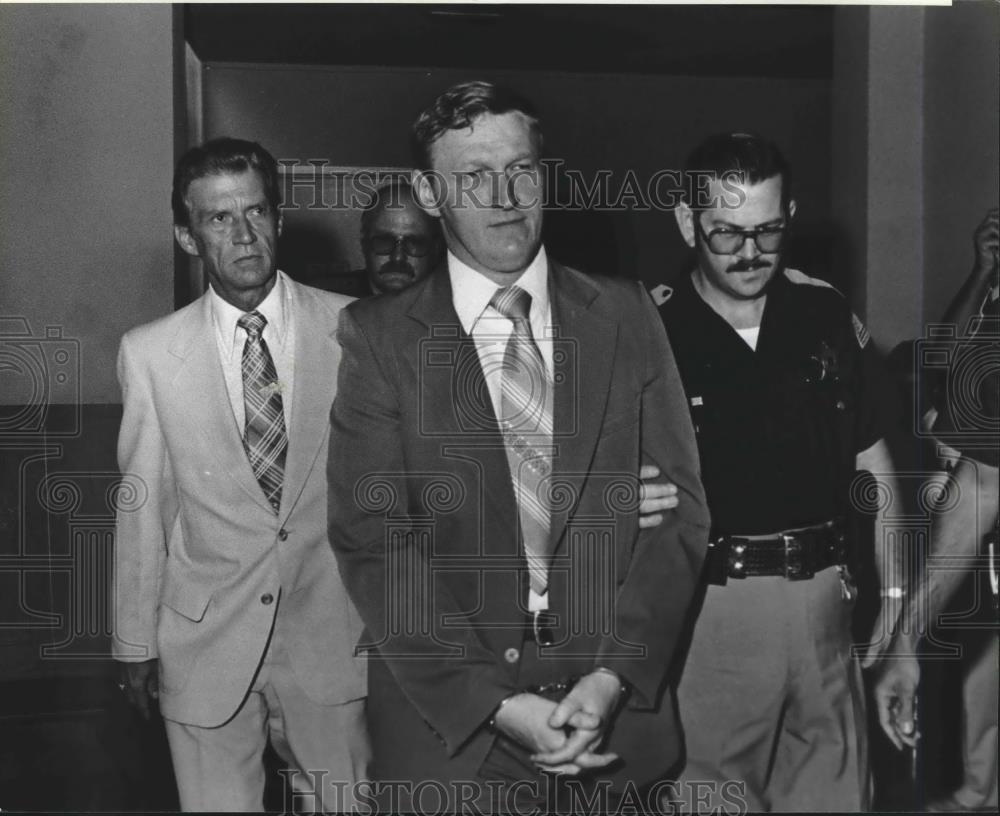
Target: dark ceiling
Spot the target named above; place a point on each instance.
(775, 41)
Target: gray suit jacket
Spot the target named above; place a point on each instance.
(424, 521)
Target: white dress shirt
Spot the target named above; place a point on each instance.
(471, 295)
(279, 334)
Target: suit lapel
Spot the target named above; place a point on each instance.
(199, 388)
(462, 406)
(454, 396)
(317, 356)
(583, 368)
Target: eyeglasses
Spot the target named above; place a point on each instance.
(729, 241)
(413, 245)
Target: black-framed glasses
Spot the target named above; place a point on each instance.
(730, 241)
(415, 246)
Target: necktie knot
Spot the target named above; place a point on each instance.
(512, 302)
(253, 324)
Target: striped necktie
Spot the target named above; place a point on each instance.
(264, 436)
(526, 424)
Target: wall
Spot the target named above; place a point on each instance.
(361, 117)
(916, 130)
(962, 141)
(849, 157)
(87, 138)
(895, 257)
(86, 156)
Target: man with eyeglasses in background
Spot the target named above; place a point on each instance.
(401, 242)
(779, 387)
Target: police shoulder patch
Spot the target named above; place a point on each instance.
(860, 330)
(661, 294)
(795, 276)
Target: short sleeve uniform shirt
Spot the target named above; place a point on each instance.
(778, 427)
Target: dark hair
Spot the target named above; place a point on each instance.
(218, 156)
(458, 107)
(392, 194)
(753, 156)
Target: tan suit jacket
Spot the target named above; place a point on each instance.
(203, 568)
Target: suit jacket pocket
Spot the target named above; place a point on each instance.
(185, 599)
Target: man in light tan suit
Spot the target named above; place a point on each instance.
(230, 608)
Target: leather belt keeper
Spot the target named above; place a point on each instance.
(541, 627)
(794, 554)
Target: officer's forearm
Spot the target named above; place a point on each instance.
(888, 555)
(966, 512)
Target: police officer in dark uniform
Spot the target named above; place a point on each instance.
(779, 386)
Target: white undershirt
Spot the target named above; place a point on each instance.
(750, 336)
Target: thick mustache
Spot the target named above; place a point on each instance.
(393, 268)
(748, 266)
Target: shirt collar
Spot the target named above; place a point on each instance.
(472, 290)
(273, 307)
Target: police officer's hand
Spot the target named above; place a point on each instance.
(896, 693)
(987, 243)
(654, 497)
(141, 684)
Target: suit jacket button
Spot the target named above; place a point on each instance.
(267, 599)
(282, 534)
(512, 655)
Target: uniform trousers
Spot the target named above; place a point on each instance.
(771, 700)
(324, 747)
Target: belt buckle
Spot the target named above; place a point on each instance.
(796, 568)
(542, 622)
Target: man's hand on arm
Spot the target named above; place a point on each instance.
(142, 684)
(654, 497)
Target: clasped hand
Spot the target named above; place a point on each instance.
(564, 737)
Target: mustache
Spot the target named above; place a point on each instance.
(749, 266)
(397, 268)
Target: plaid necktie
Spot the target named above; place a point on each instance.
(526, 423)
(264, 436)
